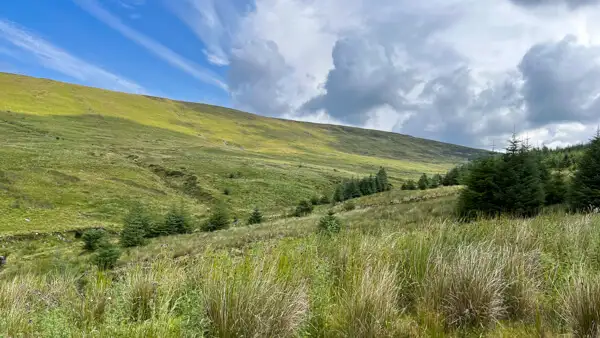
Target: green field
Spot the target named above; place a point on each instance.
(77, 157)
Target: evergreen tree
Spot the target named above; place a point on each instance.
(436, 181)
(137, 225)
(255, 217)
(329, 224)
(304, 208)
(451, 177)
(423, 182)
(338, 194)
(556, 189)
(585, 188)
(382, 178)
(348, 190)
(177, 221)
(219, 219)
(354, 189)
(481, 193)
(521, 188)
(324, 199)
(409, 185)
(373, 182)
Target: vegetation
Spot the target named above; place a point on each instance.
(93, 239)
(585, 190)
(303, 208)
(219, 219)
(137, 226)
(355, 188)
(76, 157)
(330, 223)
(256, 217)
(177, 221)
(107, 256)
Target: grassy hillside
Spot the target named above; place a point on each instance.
(74, 156)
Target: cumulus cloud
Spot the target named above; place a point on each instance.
(462, 71)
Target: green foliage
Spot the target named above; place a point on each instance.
(304, 208)
(585, 188)
(423, 183)
(409, 185)
(177, 221)
(227, 191)
(219, 219)
(556, 189)
(349, 206)
(93, 239)
(325, 199)
(436, 181)
(451, 178)
(330, 223)
(137, 226)
(107, 256)
(510, 184)
(382, 180)
(338, 194)
(256, 217)
(315, 200)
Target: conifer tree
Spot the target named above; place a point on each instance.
(383, 184)
(255, 217)
(338, 194)
(373, 182)
(585, 188)
(354, 189)
(137, 225)
(436, 181)
(556, 189)
(409, 185)
(177, 221)
(423, 182)
(481, 194)
(219, 219)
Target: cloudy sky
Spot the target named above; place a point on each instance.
(461, 71)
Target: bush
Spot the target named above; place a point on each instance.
(255, 217)
(314, 200)
(93, 239)
(177, 221)
(219, 219)
(107, 256)
(330, 223)
(409, 185)
(138, 226)
(304, 208)
(325, 199)
(227, 191)
(349, 206)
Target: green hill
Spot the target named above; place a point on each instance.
(74, 156)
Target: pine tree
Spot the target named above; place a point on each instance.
(373, 182)
(409, 185)
(354, 189)
(304, 208)
(451, 177)
(423, 182)
(556, 189)
(137, 225)
(436, 181)
(338, 194)
(219, 219)
(481, 193)
(255, 217)
(177, 221)
(383, 184)
(585, 188)
(348, 190)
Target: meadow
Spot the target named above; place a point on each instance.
(400, 267)
(74, 157)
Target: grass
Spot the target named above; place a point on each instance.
(394, 270)
(78, 157)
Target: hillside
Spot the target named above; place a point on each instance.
(75, 156)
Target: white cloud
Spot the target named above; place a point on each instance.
(176, 60)
(456, 70)
(213, 21)
(52, 57)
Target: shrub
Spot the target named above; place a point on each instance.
(325, 199)
(349, 206)
(138, 226)
(219, 219)
(409, 185)
(330, 223)
(314, 200)
(582, 305)
(304, 208)
(107, 256)
(255, 217)
(177, 221)
(227, 191)
(93, 239)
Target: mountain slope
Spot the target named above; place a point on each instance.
(75, 156)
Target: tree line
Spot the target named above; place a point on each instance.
(522, 181)
(365, 186)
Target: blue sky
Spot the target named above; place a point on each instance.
(461, 71)
(141, 42)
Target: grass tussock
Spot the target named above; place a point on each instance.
(582, 304)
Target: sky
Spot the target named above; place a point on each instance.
(469, 72)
